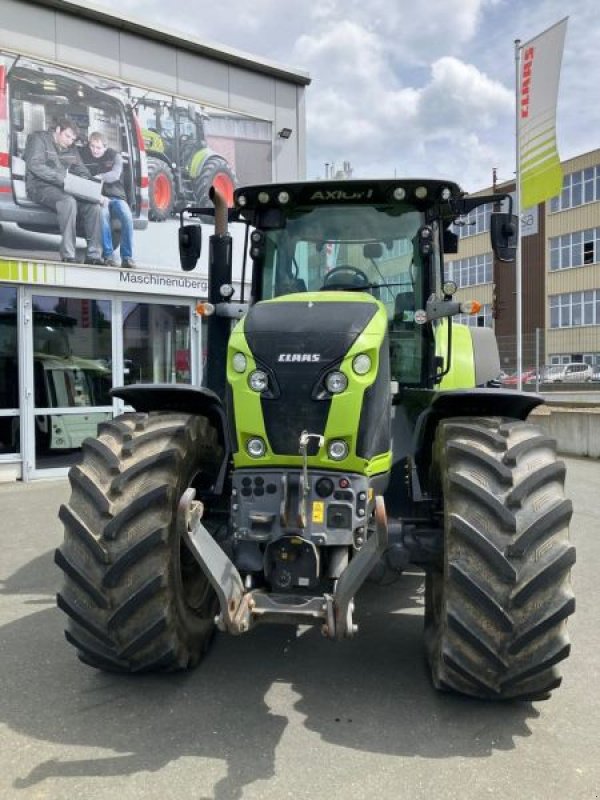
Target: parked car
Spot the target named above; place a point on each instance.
(512, 380)
(33, 95)
(575, 372)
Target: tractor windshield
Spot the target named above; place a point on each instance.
(355, 248)
(344, 248)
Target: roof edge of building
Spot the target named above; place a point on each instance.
(213, 50)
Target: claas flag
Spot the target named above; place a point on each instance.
(539, 162)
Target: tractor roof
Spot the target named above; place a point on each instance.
(440, 199)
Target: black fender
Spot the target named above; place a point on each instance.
(189, 399)
(465, 403)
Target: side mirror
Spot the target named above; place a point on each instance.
(190, 245)
(504, 230)
(450, 241)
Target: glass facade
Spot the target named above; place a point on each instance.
(9, 372)
(61, 352)
(156, 343)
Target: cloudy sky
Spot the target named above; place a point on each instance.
(406, 87)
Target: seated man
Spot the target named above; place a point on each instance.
(49, 155)
(105, 163)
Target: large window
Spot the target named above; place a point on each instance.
(481, 320)
(72, 373)
(567, 358)
(575, 249)
(477, 221)
(156, 343)
(574, 309)
(579, 187)
(470, 271)
(9, 372)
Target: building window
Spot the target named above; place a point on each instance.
(575, 309)
(578, 188)
(470, 271)
(476, 221)
(575, 249)
(481, 320)
(593, 359)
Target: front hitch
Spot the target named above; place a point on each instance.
(241, 609)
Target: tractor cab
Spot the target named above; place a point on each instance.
(383, 238)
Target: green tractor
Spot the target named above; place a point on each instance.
(345, 429)
(181, 166)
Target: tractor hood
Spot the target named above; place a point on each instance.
(297, 341)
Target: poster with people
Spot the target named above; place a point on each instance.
(96, 172)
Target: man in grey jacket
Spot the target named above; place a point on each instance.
(49, 155)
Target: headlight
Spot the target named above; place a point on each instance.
(361, 364)
(336, 382)
(256, 447)
(238, 362)
(258, 380)
(337, 450)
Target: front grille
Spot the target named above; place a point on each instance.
(277, 332)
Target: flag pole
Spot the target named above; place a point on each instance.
(518, 271)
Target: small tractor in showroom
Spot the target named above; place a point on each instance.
(344, 427)
(181, 166)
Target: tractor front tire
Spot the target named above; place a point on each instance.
(135, 597)
(161, 190)
(496, 611)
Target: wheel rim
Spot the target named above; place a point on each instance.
(224, 185)
(162, 191)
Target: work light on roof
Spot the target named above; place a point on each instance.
(242, 200)
(446, 193)
(283, 198)
(399, 193)
(264, 197)
(421, 192)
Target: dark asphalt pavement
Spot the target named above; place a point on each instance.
(276, 713)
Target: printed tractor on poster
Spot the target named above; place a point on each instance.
(181, 166)
(345, 432)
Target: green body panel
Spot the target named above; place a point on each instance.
(462, 365)
(153, 141)
(345, 410)
(197, 161)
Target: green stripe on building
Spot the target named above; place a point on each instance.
(30, 272)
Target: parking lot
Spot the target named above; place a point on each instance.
(282, 713)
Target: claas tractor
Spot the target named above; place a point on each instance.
(345, 430)
(181, 165)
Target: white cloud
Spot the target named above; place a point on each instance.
(421, 88)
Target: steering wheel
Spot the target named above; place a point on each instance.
(354, 278)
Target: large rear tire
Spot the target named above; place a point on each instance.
(495, 619)
(161, 190)
(135, 597)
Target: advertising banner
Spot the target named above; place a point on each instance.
(94, 171)
(539, 162)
